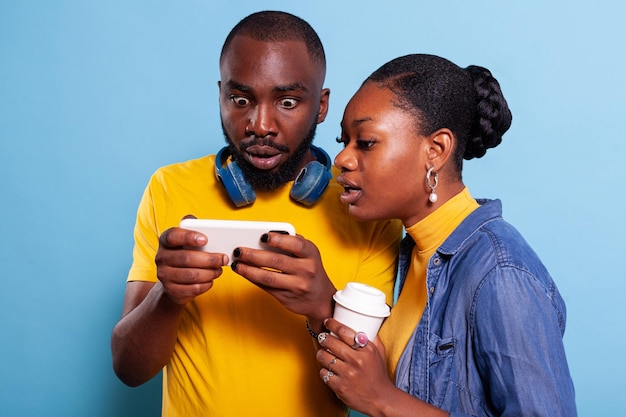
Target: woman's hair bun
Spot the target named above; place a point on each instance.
(493, 117)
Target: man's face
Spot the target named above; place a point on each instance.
(271, 100)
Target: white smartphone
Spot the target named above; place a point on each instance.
(226, 235)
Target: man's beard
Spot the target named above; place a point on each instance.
(261, 180)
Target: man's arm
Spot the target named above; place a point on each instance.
(144, 338)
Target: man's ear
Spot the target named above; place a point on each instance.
(440, 148)
(324, 99)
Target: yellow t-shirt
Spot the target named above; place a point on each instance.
(239, 352)
(428, 234)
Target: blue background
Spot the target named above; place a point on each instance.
(94, 96)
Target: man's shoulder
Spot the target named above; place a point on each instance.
(190, 168)
(195, 163)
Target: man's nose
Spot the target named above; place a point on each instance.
(262, 122)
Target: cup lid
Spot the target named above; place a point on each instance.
(363, 299)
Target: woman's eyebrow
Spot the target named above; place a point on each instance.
(358, 122)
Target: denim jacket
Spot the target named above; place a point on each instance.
(489, 342)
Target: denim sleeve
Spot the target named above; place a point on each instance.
(517, 324)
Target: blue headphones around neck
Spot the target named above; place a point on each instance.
(307, 188)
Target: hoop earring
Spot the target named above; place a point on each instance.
(433, 195)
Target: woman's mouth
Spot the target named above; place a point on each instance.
(351, 193)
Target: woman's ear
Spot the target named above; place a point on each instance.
(440, 146)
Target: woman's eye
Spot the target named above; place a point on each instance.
(288, 103)
(365, 144)
(240, 101)
(342, 141)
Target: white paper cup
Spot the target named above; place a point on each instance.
(361, 307)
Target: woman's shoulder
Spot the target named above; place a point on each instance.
(486, 243)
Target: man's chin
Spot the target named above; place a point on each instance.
(261, 180)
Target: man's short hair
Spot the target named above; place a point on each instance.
(275, 26)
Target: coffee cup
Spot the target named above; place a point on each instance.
(361, 307)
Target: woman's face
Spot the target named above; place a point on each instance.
(383, 162)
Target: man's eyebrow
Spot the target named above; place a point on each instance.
(291, 87)
(297, 86)
(234, 85)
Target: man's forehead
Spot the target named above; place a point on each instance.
(245, 41)
(245, 49)
(283, 65)
(295, 87)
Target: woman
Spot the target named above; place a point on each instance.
(478, 325)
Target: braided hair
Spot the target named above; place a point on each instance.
(441, 94)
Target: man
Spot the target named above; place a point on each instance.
(239, 345)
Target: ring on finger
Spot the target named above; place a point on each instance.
(326, 377)
(332, 362)
(360, 340)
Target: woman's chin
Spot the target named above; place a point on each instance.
(358, 212)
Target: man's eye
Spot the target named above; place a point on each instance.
(240, 101)
(288, 103)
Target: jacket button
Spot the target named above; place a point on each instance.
(436, 261)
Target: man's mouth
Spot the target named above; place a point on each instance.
(263, 157)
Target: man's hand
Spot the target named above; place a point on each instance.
(186, 272)
(298, 280)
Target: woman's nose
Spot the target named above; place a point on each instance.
(345, 161)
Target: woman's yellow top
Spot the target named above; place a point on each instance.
(428, 234)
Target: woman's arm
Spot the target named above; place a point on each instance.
(518, 337)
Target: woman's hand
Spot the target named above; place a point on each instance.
(358, 375)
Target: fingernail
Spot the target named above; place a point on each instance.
(200, 239)
(237, 252)
(233, 266)
(265, 238)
